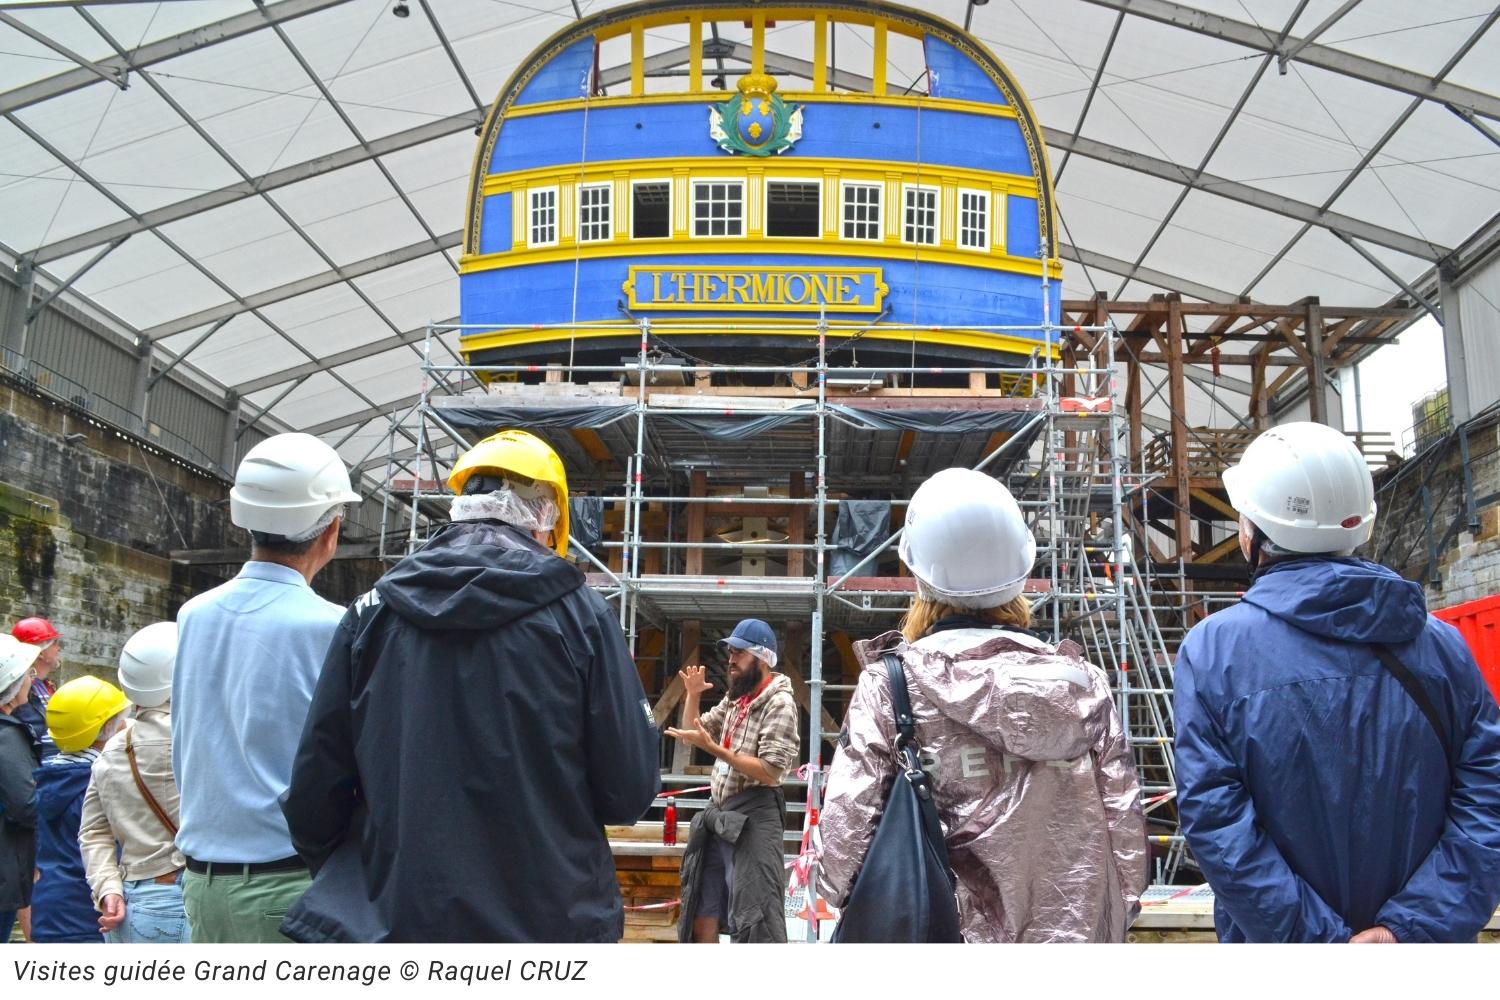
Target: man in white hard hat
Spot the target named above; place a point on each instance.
(249, 653)
(1338, 753)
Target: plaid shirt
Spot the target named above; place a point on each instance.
(768, 731)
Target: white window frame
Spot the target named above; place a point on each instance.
(744, 218)
(636, 182)
(531, 216)
(608, 219)
(937, 213)
(984, 229)
(765, 205)
(879, 220)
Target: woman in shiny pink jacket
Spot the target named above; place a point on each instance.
(1032, 774)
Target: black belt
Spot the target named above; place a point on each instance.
(291, 864)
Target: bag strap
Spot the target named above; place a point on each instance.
(908, 751)
(135, 770)
(1414, 688)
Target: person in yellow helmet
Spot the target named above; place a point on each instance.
(81, 717)
(481, 704)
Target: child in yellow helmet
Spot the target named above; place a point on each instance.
(81, 716)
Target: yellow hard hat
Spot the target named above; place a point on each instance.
(526, 455)
(79, 709)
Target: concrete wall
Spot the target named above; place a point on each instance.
(86, 525)
(1467, 563)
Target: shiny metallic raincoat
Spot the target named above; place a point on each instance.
(1034, 781)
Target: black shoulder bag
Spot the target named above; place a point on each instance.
(905, 890)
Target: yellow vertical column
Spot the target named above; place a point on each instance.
(695, 60)
(880, 60)
(820, 54)
(755, 186)
(682, 196)
(637, 59)
(758, 43)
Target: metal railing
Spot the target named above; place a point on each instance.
(37, 378)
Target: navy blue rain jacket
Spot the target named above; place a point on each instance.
(478, 722)
(1313, 792)
(62, 909)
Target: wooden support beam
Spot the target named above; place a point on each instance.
(697, 487)
(791, 665)
(1227, 547)
(1133, 408)
(1259, 402)
(1288, 331)
(1317, 376)
(849, 667)
(671, 696)
(1211, 338)
(796, 530)
(653, 529)
(592, 443)
(1177, 391)
(1205, 497)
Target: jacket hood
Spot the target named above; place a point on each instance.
(1014, 692)
(1344, 598)
(58, 786)
(476, 575)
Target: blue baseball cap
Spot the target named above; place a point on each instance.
(751, 632)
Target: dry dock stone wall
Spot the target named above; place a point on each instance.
(1467, 563)
(87, 519)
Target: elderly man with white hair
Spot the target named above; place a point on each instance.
(248, 656)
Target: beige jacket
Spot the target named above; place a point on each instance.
(1032, 774)
(114, 810)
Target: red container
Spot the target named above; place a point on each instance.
(669, 823)
(1479, 621)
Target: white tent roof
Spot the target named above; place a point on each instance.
(292, 177)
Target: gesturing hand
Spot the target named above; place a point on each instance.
(1375, 935)
(694, 679)
(695, 737)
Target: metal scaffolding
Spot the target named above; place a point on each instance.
(1066, 464)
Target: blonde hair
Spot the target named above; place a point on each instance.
(925, 613)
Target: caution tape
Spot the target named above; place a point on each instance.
(1175, 895)
(655, 906)
(664, 793)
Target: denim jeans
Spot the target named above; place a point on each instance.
(153, 915)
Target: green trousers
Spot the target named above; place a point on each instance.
(227, 906)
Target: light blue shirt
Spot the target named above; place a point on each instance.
(248, 655)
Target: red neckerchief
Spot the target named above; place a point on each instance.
(744, 707)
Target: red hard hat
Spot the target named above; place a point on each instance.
(34, 630)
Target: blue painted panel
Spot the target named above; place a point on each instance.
(564, 78)
(955, 75)
(921, 293)
(495, 225)
(944, 138)
(1022, 237)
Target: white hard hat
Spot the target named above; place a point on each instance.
(1307, 487)
(965, 540)
(146, 664)
(16, 657)
(286, 484)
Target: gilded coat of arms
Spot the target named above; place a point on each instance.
(756, 121)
